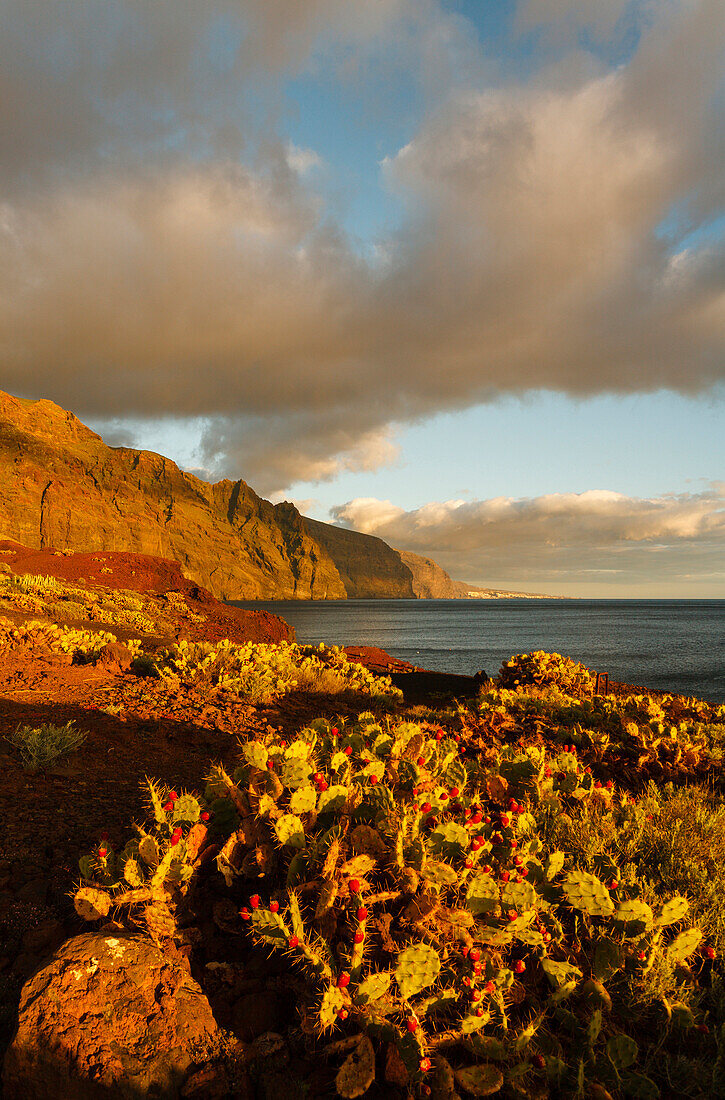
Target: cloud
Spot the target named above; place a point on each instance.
(165, 252)
(560, 538)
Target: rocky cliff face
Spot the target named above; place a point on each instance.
(429, 581)
(63, 487)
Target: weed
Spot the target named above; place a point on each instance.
(43, 745)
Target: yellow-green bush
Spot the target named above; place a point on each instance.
(540, 668)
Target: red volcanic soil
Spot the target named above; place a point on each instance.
(148, 576)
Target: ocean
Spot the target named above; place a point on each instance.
(674, 645)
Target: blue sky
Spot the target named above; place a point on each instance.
(387, 261)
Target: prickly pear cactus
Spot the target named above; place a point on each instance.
(684, 945)
(481, 1080)
(482, 895)
(673, 910)
(256, 754)
(290, 831)
(357, 1072)
(92, 904)
(418, 967)
(587, 892)
(635, 915)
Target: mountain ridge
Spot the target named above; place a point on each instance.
(64, 487)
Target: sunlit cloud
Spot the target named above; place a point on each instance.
(163, 252)
(597, 534)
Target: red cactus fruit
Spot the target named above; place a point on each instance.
(519, 966)
(294, 941)
(454, 792)
(205, 816)
(362, 913)
(373, 780)
(412, 1024)
(254, 901)
(102, 852)
(348, 750)
(359, 937)
(426, 808)
(274, 906)
(169, 807)
(354, 886)
(245, 914)
(489, 987)
(710, 953)
(474, 954)
(424, 1065)
(343, 981)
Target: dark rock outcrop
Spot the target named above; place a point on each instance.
(109, 1015)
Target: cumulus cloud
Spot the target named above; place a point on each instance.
(560, 538)
(163, 254)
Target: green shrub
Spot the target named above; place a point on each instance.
(43, 745)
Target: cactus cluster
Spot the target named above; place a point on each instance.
(323, 836)
(545, 669)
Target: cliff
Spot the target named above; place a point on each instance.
(64, 488)
(429, 581)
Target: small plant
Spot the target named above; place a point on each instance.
(43, 745)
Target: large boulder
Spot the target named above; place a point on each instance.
(110, 1015)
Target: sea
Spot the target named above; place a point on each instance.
(673, 645)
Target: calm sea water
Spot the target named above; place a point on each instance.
(676, 645)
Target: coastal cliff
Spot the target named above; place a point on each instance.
(64, 488)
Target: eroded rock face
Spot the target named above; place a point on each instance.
(109, 1016)
(64, 488)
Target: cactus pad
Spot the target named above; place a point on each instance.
(636, 915)
(148, 849)
(334, 798)
(303, 800)
(290, 831)
(518, 895)
(608, 959)
(256, 754)
(373, 988)
(132, 872)
(295, 773)
(418, 967)
(357, 1072)
(684, 945)
(672, 911)
(449, 839)
(440, 874)
(588, 893)
(622, 1051)
(333, 999)
(482, 895)
(482, 1080)
(91, 904)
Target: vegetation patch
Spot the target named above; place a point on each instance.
(41, 746)
(471, 910)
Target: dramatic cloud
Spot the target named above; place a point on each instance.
(597, 539)
(163, 250)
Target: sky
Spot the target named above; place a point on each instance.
(451, 272)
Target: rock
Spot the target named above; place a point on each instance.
(115, 656)
(109, 1015)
